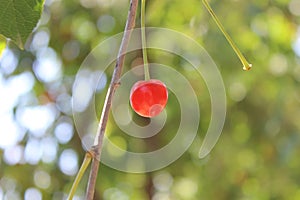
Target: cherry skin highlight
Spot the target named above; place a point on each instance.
(149, 97)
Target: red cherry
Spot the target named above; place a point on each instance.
(148, 98)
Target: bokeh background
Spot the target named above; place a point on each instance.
(258, 153)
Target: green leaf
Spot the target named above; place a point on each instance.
(2, 44)
(18, 18)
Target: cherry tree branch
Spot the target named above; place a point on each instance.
(97, 148)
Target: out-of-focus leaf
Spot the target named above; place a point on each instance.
(2, 44)
(18, 18)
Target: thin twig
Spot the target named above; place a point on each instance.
(246, 66)
(130, 23)
(87, 159)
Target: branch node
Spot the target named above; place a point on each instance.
(94, 152)
(118, 83)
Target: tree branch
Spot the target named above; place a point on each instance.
(97, 148)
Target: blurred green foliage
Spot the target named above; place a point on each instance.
(257, 155)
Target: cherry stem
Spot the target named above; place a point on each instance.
(144, 44)
(246, 65)
(84, 165)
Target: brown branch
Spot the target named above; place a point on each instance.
(130, 23)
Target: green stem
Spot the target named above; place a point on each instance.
(144, 46)
(85, 164)
(246, 65)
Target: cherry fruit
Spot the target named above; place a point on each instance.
(148, 97)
